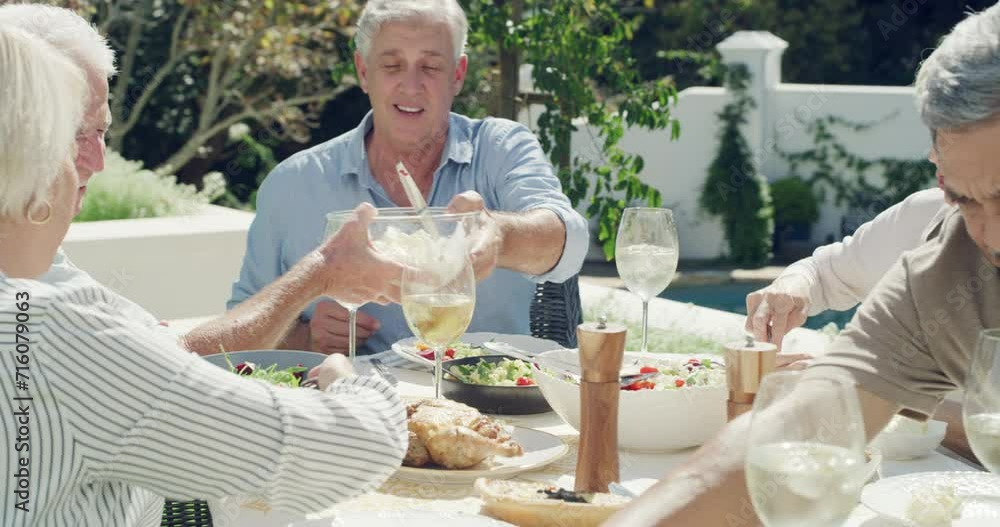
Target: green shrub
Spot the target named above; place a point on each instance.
(126, 190)
(733, 190)
(794, 202)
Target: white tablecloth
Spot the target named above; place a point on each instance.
(641, 469)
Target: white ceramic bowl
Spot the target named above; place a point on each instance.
(902, 445)
(648, 420)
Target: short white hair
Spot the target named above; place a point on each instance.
(42, 99)
(65, 30)
(959, 84)
(378, 12)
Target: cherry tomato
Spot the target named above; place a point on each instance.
(679, 383)
(449, 353)
(524, 381)
(648, 369)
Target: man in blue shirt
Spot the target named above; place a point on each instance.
(410, 62)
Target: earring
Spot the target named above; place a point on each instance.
(48, 215)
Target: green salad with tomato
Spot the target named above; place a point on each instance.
(507, 372)
(676, 374)
(291, 377)
(459, 350)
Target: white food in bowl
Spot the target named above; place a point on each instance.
(648, 420)
(905, 438)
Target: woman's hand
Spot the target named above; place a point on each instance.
(335, 367)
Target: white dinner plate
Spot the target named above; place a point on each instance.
(979, 493)
(540, 449)
(407, 348)
(404, 519)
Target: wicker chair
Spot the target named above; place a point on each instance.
(555, 313)
(186, 514)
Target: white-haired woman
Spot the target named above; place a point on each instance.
(104, 417)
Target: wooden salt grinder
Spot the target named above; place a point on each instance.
(602, 348)
(746, 365)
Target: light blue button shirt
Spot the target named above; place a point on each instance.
(500, 159)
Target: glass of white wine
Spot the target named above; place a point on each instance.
(646, 255)
(438, 301)
(401, 234)
(805, 461)
(981, 410)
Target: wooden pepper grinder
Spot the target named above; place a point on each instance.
(746, 364)
(602, 348)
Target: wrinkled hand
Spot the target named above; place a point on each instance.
(328, 329)
(355, 272)
(486, 247)
(335, 367)
(777, 309)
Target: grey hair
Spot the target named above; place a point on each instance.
(378, 12)
(959, 84)
(42, 99)
(66, 31)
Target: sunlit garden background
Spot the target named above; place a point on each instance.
(210, 96)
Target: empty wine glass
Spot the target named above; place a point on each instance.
(981, 410)
(333, 224)
(646, 255)
(438, 301)
(805, 458)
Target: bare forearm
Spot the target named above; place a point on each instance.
(263, 320)
(533, 241)
(955, 438)
(707, 490)
(710, 489)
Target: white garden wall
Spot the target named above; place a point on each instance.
(678, 168)
(178, 267)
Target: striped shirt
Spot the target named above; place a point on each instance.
(112, 417)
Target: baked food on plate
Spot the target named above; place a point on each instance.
(532, 504)
(454, 436)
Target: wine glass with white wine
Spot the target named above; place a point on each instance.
(805, 461)
(646, 255)
(981, 410)
(438, 301)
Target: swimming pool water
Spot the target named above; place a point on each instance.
(732, 297)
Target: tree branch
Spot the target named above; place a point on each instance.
(214, 91)
(190, 149)
(175, 56)
(125, 74)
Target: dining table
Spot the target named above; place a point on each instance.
(639, 470)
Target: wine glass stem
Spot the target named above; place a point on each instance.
(438, 366)
(352, 337)
(645, 324)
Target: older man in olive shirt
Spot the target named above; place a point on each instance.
(911, 342)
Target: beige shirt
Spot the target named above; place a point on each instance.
(841, 274)
(912, 339)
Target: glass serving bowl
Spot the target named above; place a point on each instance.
(408, 238)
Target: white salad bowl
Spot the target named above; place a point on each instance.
(648, 420)
(907, 439)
